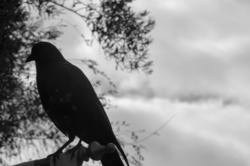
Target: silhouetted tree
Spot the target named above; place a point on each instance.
(122, 33)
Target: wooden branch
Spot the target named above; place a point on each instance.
(95, 151)
(69, 9)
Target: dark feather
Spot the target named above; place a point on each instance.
(71, 102)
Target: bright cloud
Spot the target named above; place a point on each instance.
(207, 133)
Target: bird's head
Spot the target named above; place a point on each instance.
(44, 52)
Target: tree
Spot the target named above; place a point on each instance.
(122, 33)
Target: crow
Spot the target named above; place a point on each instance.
(70, 101)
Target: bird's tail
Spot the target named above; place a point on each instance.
(113, 159)
(122, 152)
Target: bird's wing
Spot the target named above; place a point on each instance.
(72, 103)
(52, 90)
(84, 94)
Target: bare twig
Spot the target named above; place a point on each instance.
(156, 131)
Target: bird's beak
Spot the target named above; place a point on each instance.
(30, 58)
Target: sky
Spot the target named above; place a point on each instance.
(201, 63)
(201, 80)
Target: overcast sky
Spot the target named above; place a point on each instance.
(201, 77)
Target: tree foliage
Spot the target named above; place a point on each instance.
(122, 34)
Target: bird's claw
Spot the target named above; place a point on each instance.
(55, 156)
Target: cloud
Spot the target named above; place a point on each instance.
(179, 148)
(207, 133)
(201, 68)
(200, 47)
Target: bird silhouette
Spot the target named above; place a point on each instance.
(71, 103)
